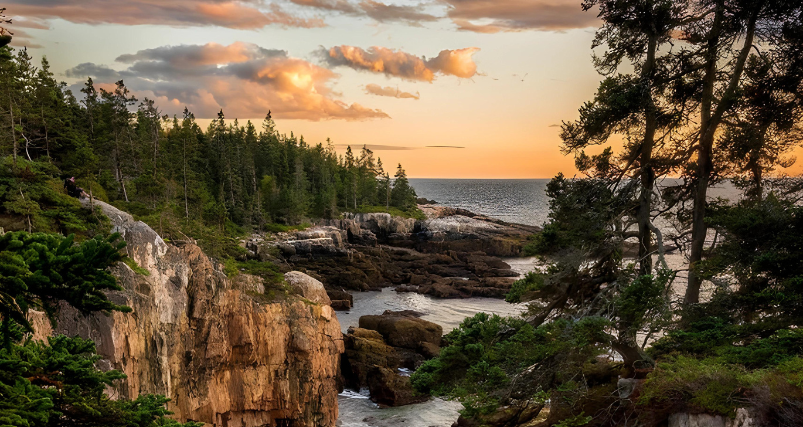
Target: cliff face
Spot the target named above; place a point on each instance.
(223, 352)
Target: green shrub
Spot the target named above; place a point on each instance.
(532, 282)
(708, 385)
(486, 352)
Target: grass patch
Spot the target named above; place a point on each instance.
(134, 266)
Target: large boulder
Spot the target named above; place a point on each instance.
(391, 387)
(308, 287)
(403, 329)
(684, 419)
(364, 349)
(369, 362)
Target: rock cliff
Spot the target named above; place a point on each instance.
(224, 353)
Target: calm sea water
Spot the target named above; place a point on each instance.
(522, 201)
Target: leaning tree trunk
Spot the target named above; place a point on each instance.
(709, 123)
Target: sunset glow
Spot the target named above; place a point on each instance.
(494, 77)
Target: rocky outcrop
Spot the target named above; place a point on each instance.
(452, 254)
(308, 287)
(382, 352)
(390, 388)
(224, 352)
(403, 329)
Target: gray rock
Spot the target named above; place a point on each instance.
(307, 286)
(626, 386)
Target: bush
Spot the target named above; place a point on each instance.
(738, 344)
(57, 383)
(487, 352)
(532, 282)
(706, 385)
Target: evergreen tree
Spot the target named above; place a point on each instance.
(402, 195)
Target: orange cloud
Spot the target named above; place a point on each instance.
(223, 13)
(377, 59)
(243, 79)
(518, 15)
(375, 89)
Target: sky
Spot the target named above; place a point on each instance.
(448, 88)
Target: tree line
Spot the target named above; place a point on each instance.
(126, 151)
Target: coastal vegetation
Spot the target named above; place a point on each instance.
(707, 91)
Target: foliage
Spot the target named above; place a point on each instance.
(39, 270)
(532, 282)
(487, 352)
(706, 384)
(33, 192)
(57, 383)
(575, 421)
(752, 317)
(402, 196)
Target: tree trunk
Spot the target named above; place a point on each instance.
(47, 142)
(155, 148)
(647, 171)
(630, 353)
(184, 160)
(118, 168)
(13, 133)
(709, 122)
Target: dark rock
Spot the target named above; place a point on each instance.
(341, 300)
(404, 330)
(363, 349)
(341, 304)
(363, 238)
(429, 350)
(388, 387)
(517, 413)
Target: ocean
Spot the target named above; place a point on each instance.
(522, 201)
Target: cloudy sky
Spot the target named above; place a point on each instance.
(412, 79)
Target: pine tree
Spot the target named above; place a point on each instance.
(402, 195)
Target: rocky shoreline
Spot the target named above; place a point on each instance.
(451, 254)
